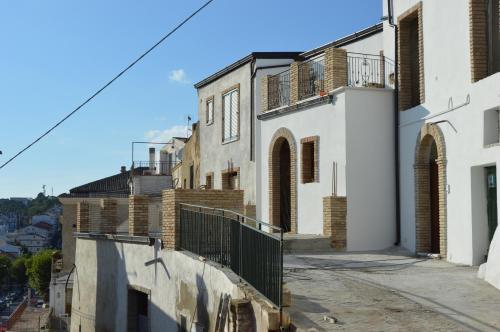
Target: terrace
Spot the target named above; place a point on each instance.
(319, 75)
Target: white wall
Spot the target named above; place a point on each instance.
(369, 45)
(328, 122)
(447, 83)
(356, 131)
(371, 214)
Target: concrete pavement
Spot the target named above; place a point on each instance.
(389, 291)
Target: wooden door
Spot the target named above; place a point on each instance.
(434, 200)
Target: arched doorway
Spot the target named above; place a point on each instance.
(430, 191)
(282, 181)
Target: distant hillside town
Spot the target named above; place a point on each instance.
(29, 225)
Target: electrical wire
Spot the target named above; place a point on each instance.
(108, 84)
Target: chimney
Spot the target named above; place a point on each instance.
(123, 169)
(152, 157)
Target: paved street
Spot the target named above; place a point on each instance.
(388, 292)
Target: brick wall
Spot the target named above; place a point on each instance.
(335, 221)
(335, 68)
(478, 21)
(138, 220)
(108, 216)
(430, 133)
(406, 22)
(264, 91)
(82, 217)
(224, 199)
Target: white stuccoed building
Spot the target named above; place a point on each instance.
(325, 151)
(448, 124)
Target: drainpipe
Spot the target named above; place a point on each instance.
(390, 10)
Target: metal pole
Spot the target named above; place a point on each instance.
(281, 277)
(240, 247)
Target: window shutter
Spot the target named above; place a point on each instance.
(227, 117)
(234, 114)
(210, 111)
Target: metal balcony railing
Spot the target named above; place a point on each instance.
(311, 78)
(152, 167)
(370, 71)
(278, 90)
(252, 249)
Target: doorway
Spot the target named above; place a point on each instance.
(283, 181)
(430, 191)
(434, 199)
(491, 196)
(138, 311)
(284, 205)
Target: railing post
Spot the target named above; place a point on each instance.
(240, 247)
(222, 239)
(382, 69)
(281, 277)
(199, 233)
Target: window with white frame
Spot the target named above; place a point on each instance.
(210, 110)
(230, 115)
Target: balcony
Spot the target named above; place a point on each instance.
(152, 168)
(316, 77)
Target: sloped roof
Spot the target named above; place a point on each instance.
(115, 184)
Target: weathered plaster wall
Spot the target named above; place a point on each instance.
(179, 285)
(191, 157)
(215, 155)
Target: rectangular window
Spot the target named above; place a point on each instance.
(210, 111)
(491, 127)
(230, 116)
(309, 159)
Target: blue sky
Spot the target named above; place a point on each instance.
(56, 53)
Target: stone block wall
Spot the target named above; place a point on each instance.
(335, 221)
(224, 199)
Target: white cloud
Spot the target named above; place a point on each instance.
(165, 135)
(179, 76)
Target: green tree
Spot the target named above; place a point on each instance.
(5, 264)
(18, 270)
(38, 269)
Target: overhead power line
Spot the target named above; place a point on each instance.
(108, 84)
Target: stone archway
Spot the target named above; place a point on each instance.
(430, 190)
(282, 144)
